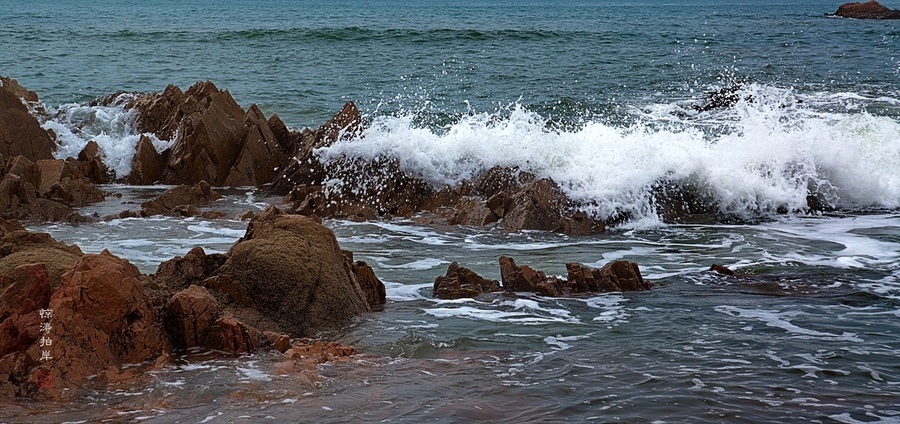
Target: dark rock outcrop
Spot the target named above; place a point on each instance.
(867, 10)
(615, 276)
(189, 315)
(23, 292)
(462, 282)
(179, 198)
(523, 278)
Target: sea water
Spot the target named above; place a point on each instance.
(601, 96)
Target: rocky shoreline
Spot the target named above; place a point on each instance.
(87, 319)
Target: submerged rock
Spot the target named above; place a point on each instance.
(867, 10)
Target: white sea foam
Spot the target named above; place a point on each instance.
(782, 320)
(112, 127)
(753, 158)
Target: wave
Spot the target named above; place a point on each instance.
(764, 154)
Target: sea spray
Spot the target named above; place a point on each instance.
(765, 154)
(112, 127)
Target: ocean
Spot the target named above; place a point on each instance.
(607, 98)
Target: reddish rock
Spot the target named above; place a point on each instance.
(92, 165)
(867, 10)
(102, 320)
(580, 224)
(23, 293)
(63, 181)
(721, 269)
(526, 279)
(281, 342)
(181, 272)
(213, 139)
(169, 201)
(472, 211)
(374, 289)
(20, 131)
(462, 282)
(539, 206)
(147, 164)
(19, 199)
(260, 155)
(292, 270)
(189, 316)
(620, 275)
(230, 335)
(501, 179)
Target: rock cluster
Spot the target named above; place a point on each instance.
(34, 184)
(286, 278)
(867, 10)
(213, 139)
(616, 276)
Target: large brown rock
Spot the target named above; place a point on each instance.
(213, 139)
(20, 131)
(291, 270)
(63, 181)
(867, 10)
(374, 289)
(261, 154)
(90, 159)
(233, 336)
(102, 319)
(539, 206)
(615, 276)
(462, 282)
(181, 272)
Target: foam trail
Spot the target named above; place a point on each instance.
(753, 158)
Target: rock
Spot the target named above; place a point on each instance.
(63, 181)
(102, 320)
(292, 270)
(868, 10)
(19, 246)
(721, 269)
(180, 273)
(92, 165)
(230, 335)
(20, 131)
(260, 156)
(168, 202)
(23, 292)
(147, 164)
(281, 342)
(374, 289)
(189, 316)
(303, 166)
(620, 275)
(472, 211)
(526, 279)
(213, 139)
(462, 282)
(539, 206)
(615, 276)
(683, 203)
(580, 224)
(723, 98)
(502, 180)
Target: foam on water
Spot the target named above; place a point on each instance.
(112, 127)
(767, 152)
